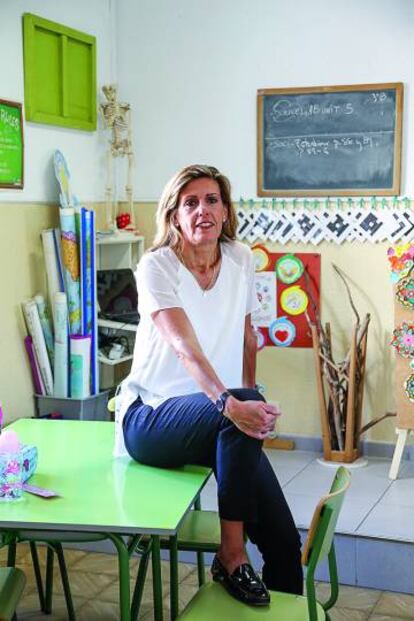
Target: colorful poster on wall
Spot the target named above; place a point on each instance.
(11, 145)
(288, 288)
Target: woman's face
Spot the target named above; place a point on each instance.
(200, 213)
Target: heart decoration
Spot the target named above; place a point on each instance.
(282, 332)
(281, 335)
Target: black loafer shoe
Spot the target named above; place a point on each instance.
(243, 584)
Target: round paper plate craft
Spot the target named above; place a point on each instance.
(261, 341)
(403, 340)
(289, 269)
(294, 300)
(261, 258)
(282, 332)
(405, 292)
(409, 387)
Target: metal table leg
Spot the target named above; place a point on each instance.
(123, 565)
(156, 578)
(173, 577)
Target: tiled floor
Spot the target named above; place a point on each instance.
(93, 579)
(374, 506)
(375, 509)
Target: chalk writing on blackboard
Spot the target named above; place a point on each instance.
(329, 140)
(11, 145)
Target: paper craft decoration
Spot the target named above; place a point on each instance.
(261, 342)
(282, 332)
(403, 340)
(405, 292)
(332, 220)
(261, 259)
(294, 301)
(289, 268)
(401, 261)
(409, 387)
(281, 320)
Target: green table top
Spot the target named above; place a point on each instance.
(97, 491)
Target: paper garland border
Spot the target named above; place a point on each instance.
(337, 221)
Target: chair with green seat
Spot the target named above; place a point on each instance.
(12, 583)
(212, 601)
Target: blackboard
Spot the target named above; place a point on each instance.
(11, 145)
(335, 140)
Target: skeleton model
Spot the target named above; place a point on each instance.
(117, 118)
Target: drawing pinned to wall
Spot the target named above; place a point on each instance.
(288, 286)
(266, 294)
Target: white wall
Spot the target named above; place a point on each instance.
(191, 70)
(83, 150)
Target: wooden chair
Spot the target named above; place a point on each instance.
(213, 602)
(12, 583)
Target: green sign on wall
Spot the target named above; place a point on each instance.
(11, 145)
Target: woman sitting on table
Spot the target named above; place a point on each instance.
(190, 397)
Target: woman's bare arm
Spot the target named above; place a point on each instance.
(254, 418)
(176, 329)
(249, 354)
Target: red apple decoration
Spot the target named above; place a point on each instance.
(123, 220)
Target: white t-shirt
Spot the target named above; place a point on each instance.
(217, 316)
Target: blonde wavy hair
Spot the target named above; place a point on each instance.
(167, 233)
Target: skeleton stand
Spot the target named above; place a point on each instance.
(117, 118)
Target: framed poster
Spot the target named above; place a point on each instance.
(11, 145)
(329, 140)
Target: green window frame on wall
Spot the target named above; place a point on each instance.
(59, 74)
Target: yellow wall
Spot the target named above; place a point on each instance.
(289, 374)
(22, 275)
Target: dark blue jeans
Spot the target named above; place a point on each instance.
(189, 430)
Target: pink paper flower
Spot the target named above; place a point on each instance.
(13, 467)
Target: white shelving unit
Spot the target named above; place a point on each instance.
(117, 251)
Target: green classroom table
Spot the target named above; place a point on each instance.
(101, 494)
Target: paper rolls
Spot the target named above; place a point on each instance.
(71, 271)
(60, 386)
(80, 365)
(46, 325)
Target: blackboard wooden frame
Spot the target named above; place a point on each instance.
(12, 182)
(268, 186)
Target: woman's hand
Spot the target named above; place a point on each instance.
(254, 418)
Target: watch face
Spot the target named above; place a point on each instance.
(221, 402)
